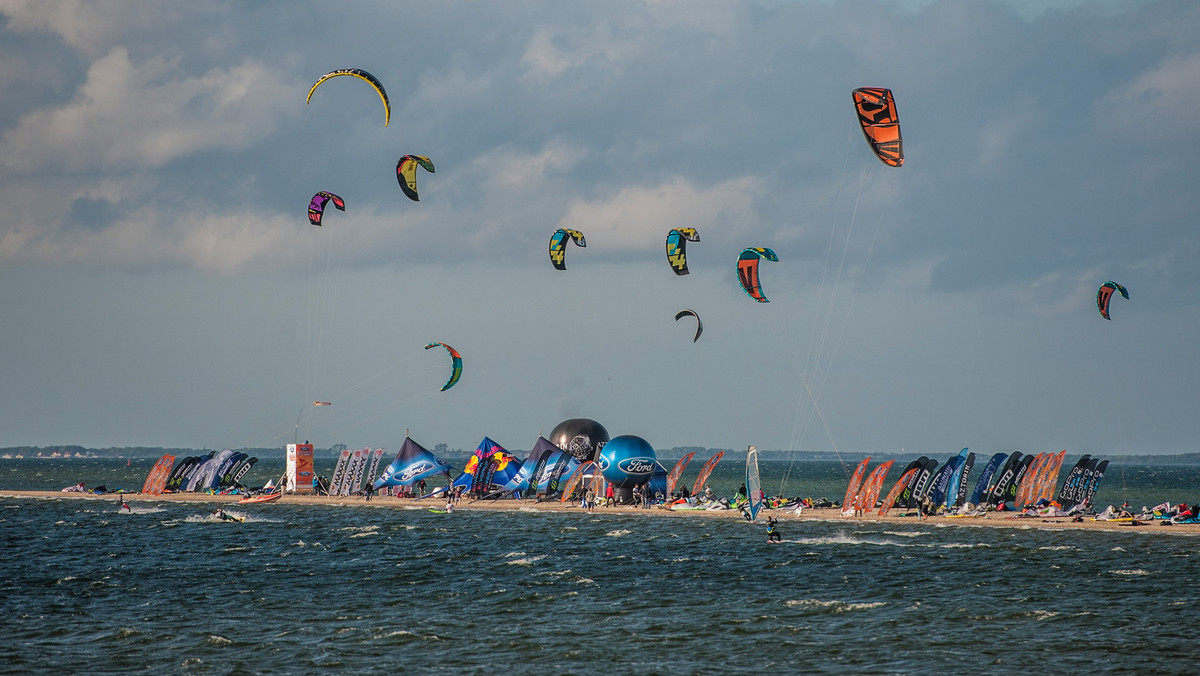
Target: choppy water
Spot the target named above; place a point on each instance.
(322, 589)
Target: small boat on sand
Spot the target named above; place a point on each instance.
(255, 499)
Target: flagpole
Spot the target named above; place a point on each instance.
(296, 438)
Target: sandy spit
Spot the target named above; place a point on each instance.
(996, 519)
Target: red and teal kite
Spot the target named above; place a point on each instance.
(455, 364)
(748, 270)
(1104, 296)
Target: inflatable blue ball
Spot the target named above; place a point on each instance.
(627, 461)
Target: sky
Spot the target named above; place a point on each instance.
(163, 287)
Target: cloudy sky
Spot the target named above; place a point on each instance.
(163, 287)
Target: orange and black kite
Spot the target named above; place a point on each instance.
(876, 110)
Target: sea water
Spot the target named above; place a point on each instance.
(88, 586)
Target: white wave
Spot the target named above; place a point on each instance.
(1130, 571)
(1058, 548)
(618, 533)
(526, 561)
(906, 534)
(514, 554)
(135, 509)
(844, 539)
(835, 606)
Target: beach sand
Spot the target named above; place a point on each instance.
(992, 519)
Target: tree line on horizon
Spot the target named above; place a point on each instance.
(443, 449)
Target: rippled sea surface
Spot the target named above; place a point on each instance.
(356, 589)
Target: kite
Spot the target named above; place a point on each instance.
(699, 324)
(748, 270)
(1104, 295)
(364, 76)
(677, 240)
(455, 364)
(558, 246)
(876, 110)
(316, 208)
(406, 173)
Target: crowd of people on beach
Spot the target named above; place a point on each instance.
(1164, 513)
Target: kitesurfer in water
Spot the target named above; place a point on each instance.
(125, 505)
(220, 514)
(773, 530)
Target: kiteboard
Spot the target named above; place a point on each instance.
(438, 511)
(264, 498)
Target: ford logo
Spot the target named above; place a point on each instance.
(414, 470)
(636, 466)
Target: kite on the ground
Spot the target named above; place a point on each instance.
(876, 108)
(364, 76)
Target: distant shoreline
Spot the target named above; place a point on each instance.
(785, 516)
(668, 455)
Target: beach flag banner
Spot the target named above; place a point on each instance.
(156, 481)
(299, 469)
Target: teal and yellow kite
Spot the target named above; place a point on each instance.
(677, 240)
(558, 246)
